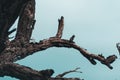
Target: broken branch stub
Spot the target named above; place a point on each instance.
(60, 27)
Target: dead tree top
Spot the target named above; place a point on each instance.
(21, 47)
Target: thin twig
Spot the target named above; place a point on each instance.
(67, 72)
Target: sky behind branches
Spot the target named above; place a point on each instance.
(96, 25)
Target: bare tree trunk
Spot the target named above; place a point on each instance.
(21, 47)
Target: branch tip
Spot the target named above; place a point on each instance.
(67, 72)
(60, 27)
(72, 38)
(92, 61)
(62, 17)
(118, 47)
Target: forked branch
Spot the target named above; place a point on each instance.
(15, 52)
(21, 47)
(67, 72)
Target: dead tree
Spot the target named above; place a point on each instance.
(21, 47)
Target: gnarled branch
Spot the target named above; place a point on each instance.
(21, 46)
(9, 12)
(26, 22)
(23, 72)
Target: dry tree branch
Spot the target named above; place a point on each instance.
(23, 72)
(13, 30)
(20, 53)
(60, 27)
(65, 79)
(20, 47)
(14, 52)
(67, 72)
(26, 22)
(9, 12)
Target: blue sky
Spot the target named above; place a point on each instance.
(96, 24)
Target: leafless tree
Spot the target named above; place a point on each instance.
(21, 47)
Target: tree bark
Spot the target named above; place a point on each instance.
(9, 12)
(21, 47)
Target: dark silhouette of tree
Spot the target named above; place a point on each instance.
(21, 47)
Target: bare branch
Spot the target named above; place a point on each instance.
(20, 53)
(26, 73)
(15, 50)
(21, 47)
(65, 79)
(26, 22)
(23, 72)
(72, 38)
(67, 72)
(60, 27)
(13, 30)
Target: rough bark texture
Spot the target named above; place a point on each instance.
(21, 47)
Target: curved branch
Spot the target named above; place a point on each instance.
(20, 53)
(26, 73)
(17, 49)
(23, 72)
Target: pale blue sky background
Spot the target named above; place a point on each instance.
(96, 24)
